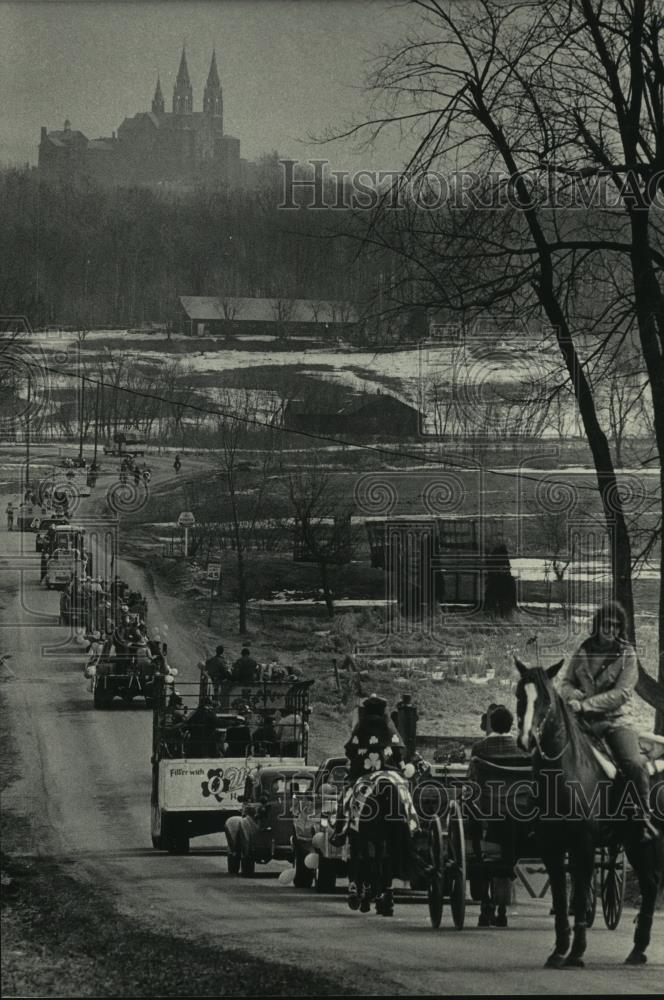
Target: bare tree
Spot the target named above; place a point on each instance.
(322, 518)
(234, 429)
(545, 107)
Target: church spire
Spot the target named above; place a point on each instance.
(158, 99)
(183, 98)
(212, 99)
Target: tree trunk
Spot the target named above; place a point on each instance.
(650, 318)
(620, 552)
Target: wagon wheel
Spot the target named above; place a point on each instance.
(612, 885)
(437, 876)
(455, 865)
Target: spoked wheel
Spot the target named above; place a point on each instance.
(437, 877)
(612, 884)
(455, 865)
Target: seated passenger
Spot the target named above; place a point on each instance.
(266, 738)
(498, 747)
(245, 668)
(238, 738)
(290, 731)
(498, 744)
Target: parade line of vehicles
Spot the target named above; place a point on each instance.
(232, 758)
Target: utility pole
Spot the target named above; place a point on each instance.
(94, 457)
(81, 384)
(27, 435)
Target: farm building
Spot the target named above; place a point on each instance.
(232, 316)
(365, 415)
(429, 560)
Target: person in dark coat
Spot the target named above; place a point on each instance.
(265, 738)
(498, 747)
(238, 738)
(245, 668)
(374, 743)
(498, 744)
(217, 670)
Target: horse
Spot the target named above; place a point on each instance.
(571, 816)
(382, 818)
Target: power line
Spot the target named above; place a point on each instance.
(312, 435)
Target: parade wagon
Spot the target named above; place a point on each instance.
(477, 859)
(203, 752)
(125, 676)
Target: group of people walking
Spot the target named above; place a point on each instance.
(139, 473)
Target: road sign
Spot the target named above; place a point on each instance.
(214, 571)
(186, 519)
(533, 876)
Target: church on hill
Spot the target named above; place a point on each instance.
(180, 147)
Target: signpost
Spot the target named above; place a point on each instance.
(214, 576)
(186, 520)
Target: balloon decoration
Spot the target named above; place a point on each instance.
(318, 841)
(311, 861)
(287, 876)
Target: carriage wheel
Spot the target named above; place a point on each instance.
(455, 865)
(612, 885)
(437, 877)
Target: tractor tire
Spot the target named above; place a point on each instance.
(247, 866)
(100, 699)
(304, 877)
(326, 876)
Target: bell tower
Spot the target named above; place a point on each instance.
(213, 104)
(183, 97)
(158, 100)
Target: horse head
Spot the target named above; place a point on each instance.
(535, 701)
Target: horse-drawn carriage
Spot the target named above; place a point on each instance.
(482, 834)
(476, 830)
(204, 752)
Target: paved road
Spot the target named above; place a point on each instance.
(86, 787)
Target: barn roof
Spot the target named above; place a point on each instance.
(238, 309)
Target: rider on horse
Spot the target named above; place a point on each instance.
(377, 841)
(598, 686)
(374, 744)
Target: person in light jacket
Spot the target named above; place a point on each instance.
(599, 686)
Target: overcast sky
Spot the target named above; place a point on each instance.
(288, 68)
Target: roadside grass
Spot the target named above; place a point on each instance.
(63, 938)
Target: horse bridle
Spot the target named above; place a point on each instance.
(538, 731)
